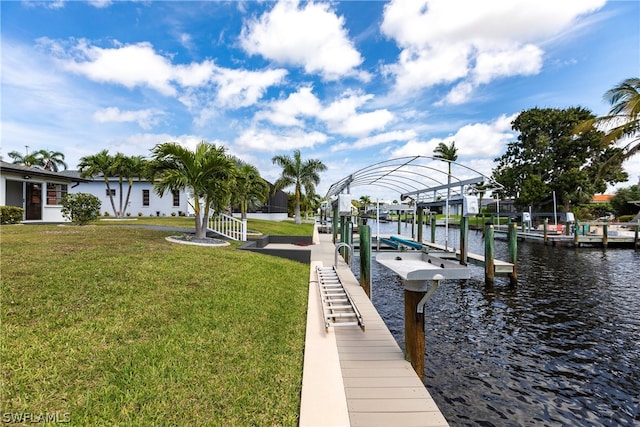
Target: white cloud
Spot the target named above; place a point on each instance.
(342, 118)
(312, 37)
(269, 140)
(285, 112)
(372, 141)
(241, 88)
(477, 140)
(491, 39)
(146, 118)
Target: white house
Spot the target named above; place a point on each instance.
(37, 191)
(143, 200)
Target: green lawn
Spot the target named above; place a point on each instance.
(115, 326)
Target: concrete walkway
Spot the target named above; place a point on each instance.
(356, 378)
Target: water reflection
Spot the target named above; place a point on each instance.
(560, 348)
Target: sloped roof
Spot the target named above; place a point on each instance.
(32, 171)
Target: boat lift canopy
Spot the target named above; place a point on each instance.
(424, 179)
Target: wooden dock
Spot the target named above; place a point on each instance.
(353, 377)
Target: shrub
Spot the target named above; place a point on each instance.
(128, 213)
(139, 213)
(80, 208)
(173, 214)
(10, 214)
(106, 213)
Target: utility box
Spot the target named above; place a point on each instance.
(570, 217)
(470, 206)
(526, 217)
(344, 204)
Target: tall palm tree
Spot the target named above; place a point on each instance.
(132, 167)
(299, 174)
(623, 120)
(207, 173)
(99, 164)
(448, 153)
(249, 186)
(52, 160)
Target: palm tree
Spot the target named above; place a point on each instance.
(623, 120)
(131, 168)
(29, 159)
(207, 173)
(299, 174)
(249, 187)
(448, 153)
(52, 160)
(99, 164)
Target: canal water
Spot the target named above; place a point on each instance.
(560, 348)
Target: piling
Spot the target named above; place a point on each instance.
(399, 222)
(576, 235)
(433, 229)
(464, 235)
(344, 238)
(489, 255)
(605, 234)
(420, 221)
(636, 244)
(545, 232)
(513, 253)
(365, 258)
(414, 331)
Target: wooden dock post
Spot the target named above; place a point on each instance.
(464, 237)
(399, 222)
(414, 331)
(513, 253)
(365, 258)
(636, 244)
(545, 231)
(605, 234)
(344, 238)
(433, 229)
(489, 254)
(576, 234)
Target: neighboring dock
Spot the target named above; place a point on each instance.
(355, 377)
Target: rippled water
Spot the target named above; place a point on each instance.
(560, 348)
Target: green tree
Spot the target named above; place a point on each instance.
(550, 157)
(621, 202)
(96, 165)
(52, 160)
(249, 187)
(299, 174)
(207, 173)
(80, 208)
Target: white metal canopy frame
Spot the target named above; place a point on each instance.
(424, 179)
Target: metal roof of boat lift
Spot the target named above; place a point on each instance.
(422, 178)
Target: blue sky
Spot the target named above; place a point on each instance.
(349, 83)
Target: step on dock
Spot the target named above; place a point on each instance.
(338, 308)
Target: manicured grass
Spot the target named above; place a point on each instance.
(115, 326)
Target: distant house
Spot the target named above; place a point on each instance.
(143, 200)
(602, 198)
(275, 208)
(37, 191)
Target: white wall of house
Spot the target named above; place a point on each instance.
(143, 200)
(40, 205)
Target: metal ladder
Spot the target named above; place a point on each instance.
(338, 308)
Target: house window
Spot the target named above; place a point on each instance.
(145, 197)
(55, 193)
(176, 198)
(110, 192)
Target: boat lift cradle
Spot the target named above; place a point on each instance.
(338, 309)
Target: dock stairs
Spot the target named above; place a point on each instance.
(338, 308)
